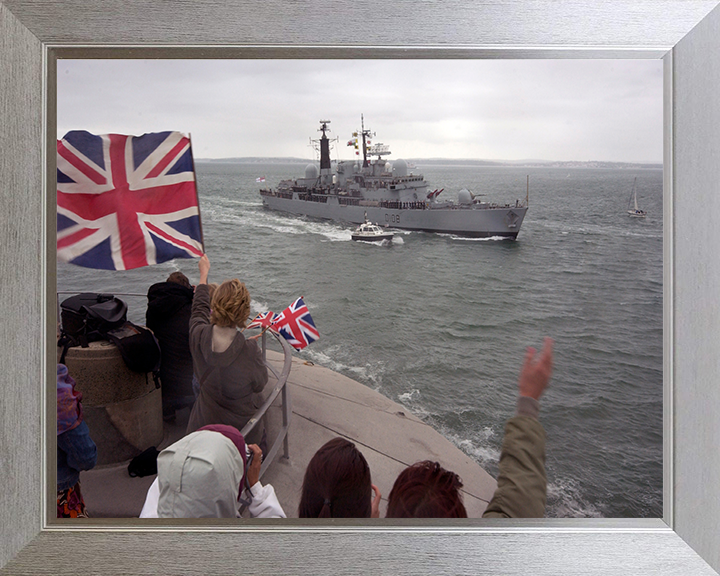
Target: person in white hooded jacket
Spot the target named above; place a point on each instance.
(206, 475)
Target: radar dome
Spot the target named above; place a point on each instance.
(311, 171)
(399, 168)
(464, 196)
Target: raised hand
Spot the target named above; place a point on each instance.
(204, 267)
(536, 371)
(253, 473)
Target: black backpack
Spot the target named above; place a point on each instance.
(144, 464)
(139, 348)
(88, 317)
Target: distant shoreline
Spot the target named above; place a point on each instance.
(420, 162)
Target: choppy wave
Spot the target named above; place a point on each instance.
(478, 448)
(488, 239)
(566, 500)
(368, 373)
(258, 307)
(413, 394)
(300, 226)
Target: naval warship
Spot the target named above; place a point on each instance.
(388, 194)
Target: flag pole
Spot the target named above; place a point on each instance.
(261, 333)
(197, 194)
(527, 194)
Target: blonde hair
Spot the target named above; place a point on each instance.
(230, 304)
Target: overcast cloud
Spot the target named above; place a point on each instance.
(605, 110)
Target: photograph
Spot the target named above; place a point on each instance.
(393, 288)
(412, 242)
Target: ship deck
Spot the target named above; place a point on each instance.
(324, 405)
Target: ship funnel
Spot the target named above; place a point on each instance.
(324, 146)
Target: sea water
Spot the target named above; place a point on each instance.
(440, 323)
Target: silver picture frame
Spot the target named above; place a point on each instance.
(685, 34)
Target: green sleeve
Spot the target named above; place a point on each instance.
(522, 483)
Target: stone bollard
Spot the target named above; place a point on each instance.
(122, 408)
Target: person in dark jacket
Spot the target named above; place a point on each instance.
(168, 316)
(75, 449)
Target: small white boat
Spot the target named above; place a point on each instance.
(635, 212)
(369, 232)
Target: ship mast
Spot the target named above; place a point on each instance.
(365, 134)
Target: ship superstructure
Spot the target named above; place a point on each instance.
(387, 194)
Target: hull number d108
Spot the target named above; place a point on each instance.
(394, 218)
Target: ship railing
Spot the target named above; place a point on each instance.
(280, 389)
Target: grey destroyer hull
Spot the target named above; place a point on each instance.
(473, 221)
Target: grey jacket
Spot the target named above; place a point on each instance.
(234, 378)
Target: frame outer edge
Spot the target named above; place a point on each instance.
(696, 112)
(547, 23)
(21, 171)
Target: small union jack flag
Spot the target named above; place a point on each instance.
(263, 320)
(126, 201)
(296, 325)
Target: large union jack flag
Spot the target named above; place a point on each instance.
(296, 325)
(126, 201)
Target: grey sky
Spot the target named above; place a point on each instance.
(606, 110)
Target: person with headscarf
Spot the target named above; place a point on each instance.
(206, 474)
(75, 449)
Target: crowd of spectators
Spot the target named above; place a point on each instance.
(214, 472)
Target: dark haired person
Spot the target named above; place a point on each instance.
(168, 316)
(337, 484)
(427, 490)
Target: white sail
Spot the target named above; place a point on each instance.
(636, 212)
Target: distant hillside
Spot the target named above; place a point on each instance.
(536, 163)
(420, 162)
(255, 160)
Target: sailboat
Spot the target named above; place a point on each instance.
(636, 212)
